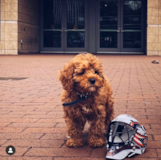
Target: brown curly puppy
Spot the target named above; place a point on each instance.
(83, 76)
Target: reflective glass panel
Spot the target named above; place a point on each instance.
(108, 23)
(52, 39)
(52, 23)
(132, 39)
(75, 39)
(132, 18)
(132, 14)
(75, 23)
(108, 39)
(52, 14)
(108, 14)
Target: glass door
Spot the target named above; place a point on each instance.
(132, 26)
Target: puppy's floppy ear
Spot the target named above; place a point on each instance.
(66, 76)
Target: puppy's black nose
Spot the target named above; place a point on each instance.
(92, 81)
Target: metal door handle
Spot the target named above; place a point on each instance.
(122, 30)
(118, 30)
(64, 30)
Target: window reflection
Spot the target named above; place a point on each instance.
(132, 14)
(134, 5)
(52, 23)
(132, 40)
(52, 39)
(75, 39)
(108, 23)
(52, 14)
(132, 19)
(75, 23)
(108, 39)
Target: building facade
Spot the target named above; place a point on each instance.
(73, 26)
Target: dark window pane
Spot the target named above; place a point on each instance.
(108, 14)
(52, 22)
(75, 39)
(75, 23)
(132, 14)
(52, 39)
(52, 14)
(132, 23)
(132, 40)
(75, 14)
(108, 39)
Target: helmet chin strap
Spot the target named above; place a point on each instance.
(82, 97)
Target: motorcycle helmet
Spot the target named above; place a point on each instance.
(125, 138)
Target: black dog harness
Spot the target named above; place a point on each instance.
(82, 98)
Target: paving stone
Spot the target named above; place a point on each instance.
(27, 158)
(54, 136)
(159, 152)
(84, 152)
(32, 125)
(11, 129)
(35, 143)
(157, 137)
(20, 136)
(44, 130)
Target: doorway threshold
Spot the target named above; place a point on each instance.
(121, 53)
(69, 52)
(76, 52)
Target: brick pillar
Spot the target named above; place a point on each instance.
(28, 26)
(154, 27)
(9, 27)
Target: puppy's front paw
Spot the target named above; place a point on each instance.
(74, 143)
(98, 142)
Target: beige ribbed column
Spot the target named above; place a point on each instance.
(28, 26)
(154, 27)
(9, 27)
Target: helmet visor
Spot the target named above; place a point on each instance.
(120, 133)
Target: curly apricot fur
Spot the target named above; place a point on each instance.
(75, 79)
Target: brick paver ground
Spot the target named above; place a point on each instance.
(31, 110)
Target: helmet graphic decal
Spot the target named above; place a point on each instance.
(134, 124)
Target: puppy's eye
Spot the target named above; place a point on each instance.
(96, 72)
(81, 73)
